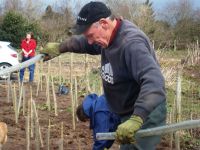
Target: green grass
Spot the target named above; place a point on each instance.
(69, 109)
(179, 54)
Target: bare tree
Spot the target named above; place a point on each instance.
(1, 7)
(176, 11)
(57, 21)
(127, 9)
(31, 9)
(15, 5)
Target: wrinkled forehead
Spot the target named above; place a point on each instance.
(91, 29)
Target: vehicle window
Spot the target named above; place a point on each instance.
(14, 49)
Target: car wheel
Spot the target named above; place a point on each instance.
(4, 66)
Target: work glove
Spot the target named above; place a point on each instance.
(125, 133)
(50, 50)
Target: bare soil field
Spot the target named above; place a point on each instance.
(78, 139)
(81, 138)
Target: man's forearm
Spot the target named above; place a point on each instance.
(70, 45)
(75, 44)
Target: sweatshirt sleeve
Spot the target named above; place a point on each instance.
(79, 44)
(144, 69)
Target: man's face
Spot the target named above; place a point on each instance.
(97, 34)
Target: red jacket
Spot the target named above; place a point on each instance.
(28, 46)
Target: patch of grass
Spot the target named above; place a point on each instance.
(44, 107)
(188, 142)
(179, 54)
(192, 73)
(69, 109)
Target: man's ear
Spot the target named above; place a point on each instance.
(104, 23)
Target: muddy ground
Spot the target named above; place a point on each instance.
(78, 139)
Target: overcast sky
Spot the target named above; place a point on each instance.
(157, 4)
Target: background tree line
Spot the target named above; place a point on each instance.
(177, 23)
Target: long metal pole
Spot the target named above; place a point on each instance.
(189, 124)
(22, 65)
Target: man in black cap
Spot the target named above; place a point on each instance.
(132, 81)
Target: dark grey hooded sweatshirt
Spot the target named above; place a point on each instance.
(132, 80)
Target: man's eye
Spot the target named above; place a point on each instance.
(89, 36)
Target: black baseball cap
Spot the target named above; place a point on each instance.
(90, 13)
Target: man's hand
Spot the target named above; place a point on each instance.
(126, 131)
(50, 50)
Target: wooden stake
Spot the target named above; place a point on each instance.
(20, 100)
(178, 108)
(47, 93)
(171, 134)
(41, 84)
(48, 136)
(24, 101)
(41, 80)
(27, 133)
(54, 97)
(87, 74)
(46, 78)
(71, 93)
(15, 103)
(37, 136)
(38, 86)
(174, 45)
(153, 44)
(72, 106)
(8, 89)
(28, 126)
(62, 138)
(76, 92)
(60, 75)
(31, 112)
(19, 82)
(38, 130)
(71, 66)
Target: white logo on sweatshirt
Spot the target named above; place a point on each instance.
(107, 73)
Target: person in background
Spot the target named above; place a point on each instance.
(96, 110)
(28, 46)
